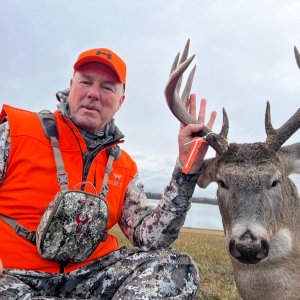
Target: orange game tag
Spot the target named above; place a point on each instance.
(195, 145)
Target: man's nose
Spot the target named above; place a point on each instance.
(94, 92)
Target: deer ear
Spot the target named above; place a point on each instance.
(207, 173)
(290, 155)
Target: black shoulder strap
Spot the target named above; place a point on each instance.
(48, 123)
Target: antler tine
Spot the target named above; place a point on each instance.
(187, 90)
(185, 52)
(277, 137)
(183, 58)
(178, 105)
(219, 141)
(268, 123)
(297, 55)
(175, 63)
(225, 125)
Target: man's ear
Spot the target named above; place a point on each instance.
(71, 82)
(121, 101)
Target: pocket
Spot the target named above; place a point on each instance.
(72, 227)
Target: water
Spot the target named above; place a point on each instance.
(201, 216)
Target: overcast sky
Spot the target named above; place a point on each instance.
(244, 56)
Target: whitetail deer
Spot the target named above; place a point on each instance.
(258, 202)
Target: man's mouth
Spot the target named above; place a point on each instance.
(90, 107)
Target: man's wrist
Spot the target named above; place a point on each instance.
(186, 183)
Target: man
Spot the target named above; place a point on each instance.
(28, 183)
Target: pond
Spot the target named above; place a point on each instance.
(201, 216)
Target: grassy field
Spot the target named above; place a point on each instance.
(207, 248)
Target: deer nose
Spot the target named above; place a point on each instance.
(248, 249)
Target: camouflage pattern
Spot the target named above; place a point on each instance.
(4, 148)
(123, 274)
(151, 228)
(72, 226)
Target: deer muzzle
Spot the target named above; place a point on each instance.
(249, 249)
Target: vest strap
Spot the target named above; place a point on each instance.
(104, 189)
(19, 229)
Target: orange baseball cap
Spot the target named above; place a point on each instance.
(104, 56)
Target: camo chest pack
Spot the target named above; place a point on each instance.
(72, 226)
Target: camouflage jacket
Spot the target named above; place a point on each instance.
(145, 226)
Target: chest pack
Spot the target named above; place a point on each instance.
(75, 221)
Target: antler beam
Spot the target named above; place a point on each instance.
(178, 105)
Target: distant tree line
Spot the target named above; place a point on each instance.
(194, 199)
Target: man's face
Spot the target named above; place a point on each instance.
(96, 94)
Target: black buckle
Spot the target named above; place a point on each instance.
(26, 234)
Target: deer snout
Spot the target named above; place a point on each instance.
(249, 249)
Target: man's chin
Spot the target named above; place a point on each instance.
(88, 124)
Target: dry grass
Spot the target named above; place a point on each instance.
(207, 249)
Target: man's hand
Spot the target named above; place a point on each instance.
(185, 134)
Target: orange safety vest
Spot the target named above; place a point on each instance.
(31, 183)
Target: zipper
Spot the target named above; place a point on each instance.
(87, 161)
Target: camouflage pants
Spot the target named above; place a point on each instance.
(122, 274)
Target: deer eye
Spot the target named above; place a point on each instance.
(274, 183)
(222, 184)
(275, 180)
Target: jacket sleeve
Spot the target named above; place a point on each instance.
(151, 227)
(4, 149)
